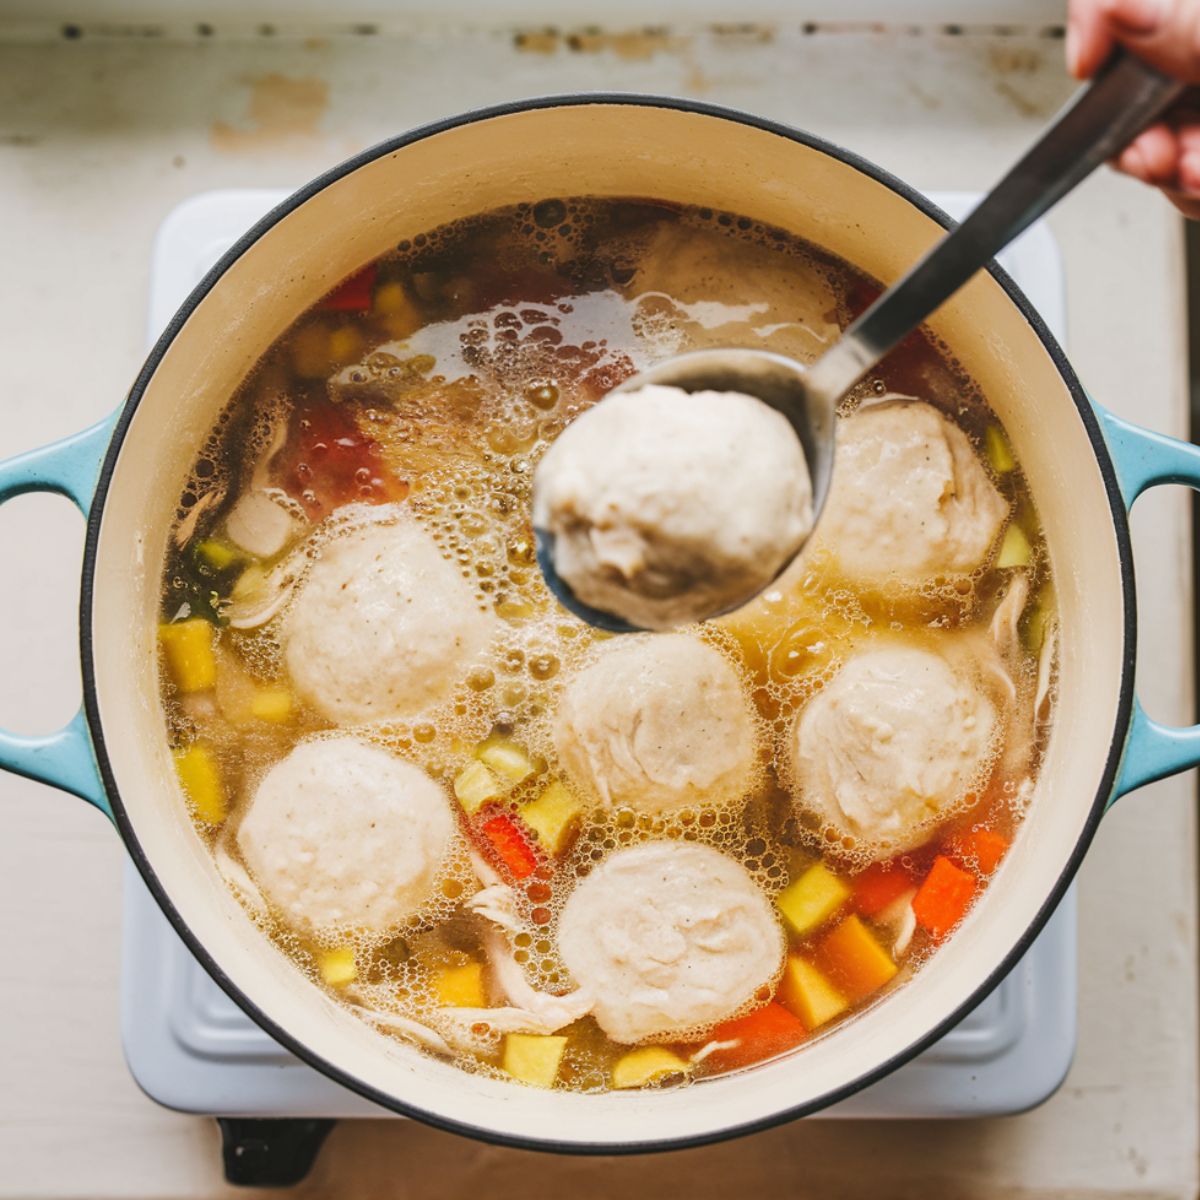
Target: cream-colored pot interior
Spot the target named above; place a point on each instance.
(620, 150)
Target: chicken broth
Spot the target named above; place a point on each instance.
(547, 853)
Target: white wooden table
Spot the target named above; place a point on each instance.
(100, 136)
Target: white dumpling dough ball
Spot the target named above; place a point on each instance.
(668, 936)
(697, 290)
(668, 507)
(890, 745)
(341, 834)
(384, 626)
(655, 722)
(909, 498)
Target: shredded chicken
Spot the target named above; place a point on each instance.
(495, 903)
(711, 1048)
(529, 1010)
(405, 1026)
(266, 600)
(1045, 677)
(187, 526)
(900, 918)
(1006, 618)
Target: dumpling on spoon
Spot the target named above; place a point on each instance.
(668, 507)
(668, 937)
(909, 498)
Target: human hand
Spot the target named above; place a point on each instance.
(1166, 34)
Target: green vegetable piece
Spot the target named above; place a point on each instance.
(999, 452)
(1039, 617)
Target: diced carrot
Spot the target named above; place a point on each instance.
(510, 845)
(942, 900)
(855, 962)
(878, 886)
(982, 848)
(765, 1032)
(353, 294)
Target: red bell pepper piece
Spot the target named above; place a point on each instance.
(354, 294)
(509, 845)
(878, 886)
(328, 461)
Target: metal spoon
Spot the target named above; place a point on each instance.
(1098, 123)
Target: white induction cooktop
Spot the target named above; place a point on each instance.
(191, 1048)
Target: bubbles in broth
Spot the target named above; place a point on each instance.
(424, 389)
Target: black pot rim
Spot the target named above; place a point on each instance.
(148, 873)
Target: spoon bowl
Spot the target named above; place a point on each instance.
(776, 380)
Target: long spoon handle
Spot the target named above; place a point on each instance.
(1097, 124)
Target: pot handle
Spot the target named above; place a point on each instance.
(69, 467)
(1143, 460)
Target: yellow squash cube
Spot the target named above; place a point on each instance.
(809, 994)
(506, 758)
(271, 704)
(533, 1058)
(812, 899)
(645, 1065)
(461, 987)
(553, 817)
(310, 351)
(217, 554)
(200, 777)
(188, 651)
(345, 344)
(337, 966)
(401, 315)
(1015, 550)
(476, 786)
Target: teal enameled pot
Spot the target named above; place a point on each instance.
(1085, 467)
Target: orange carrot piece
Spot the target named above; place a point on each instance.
(510, 845)
(765, 1032)
(942, 900)
(855, 962)
(983, 848)
(353, 294)
(878, 886)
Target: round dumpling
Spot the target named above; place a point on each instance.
(668, 936)
(692, 292)
(384, 627)
(891, 744)
(656, 722)
(343, 835)
(668, 507)
(909, 497)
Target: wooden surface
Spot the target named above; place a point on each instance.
(102, 135)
